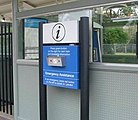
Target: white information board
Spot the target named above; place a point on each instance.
(61, 32)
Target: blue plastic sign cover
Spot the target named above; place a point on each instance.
(66, 76)
(61, 54)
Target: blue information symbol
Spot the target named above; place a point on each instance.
(58, 32)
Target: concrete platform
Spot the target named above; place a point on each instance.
(4, 116)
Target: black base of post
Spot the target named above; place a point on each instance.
(84, 67)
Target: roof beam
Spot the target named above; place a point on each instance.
(5, 12)
(55, 2)
(5, 3)
(25, 6)
(71, 6)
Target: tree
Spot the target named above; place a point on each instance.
(115, 35)
(126, 11)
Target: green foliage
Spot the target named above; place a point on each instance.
(115, 35)
(126, 11)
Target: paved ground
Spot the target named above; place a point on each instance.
(1, 118)
(4, 116)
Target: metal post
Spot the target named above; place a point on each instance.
(137, 42)
(6, 68)
(2, 57)
(10, 68)
(15, 53)
(84, 65)
(42, 88)
(0, 80)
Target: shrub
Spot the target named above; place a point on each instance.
(115, 36)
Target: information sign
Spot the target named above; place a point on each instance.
(61, 54)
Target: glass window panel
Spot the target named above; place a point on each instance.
(31, 35)
(115, 33)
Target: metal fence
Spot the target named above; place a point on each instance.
(6, 69)
(119, 48)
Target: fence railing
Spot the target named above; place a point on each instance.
(6, 69)
(32, 52)
(119, 48)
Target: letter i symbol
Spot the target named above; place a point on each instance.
(57, 36)
(58, 32)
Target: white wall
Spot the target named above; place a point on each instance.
(113, 94)
(28, 90)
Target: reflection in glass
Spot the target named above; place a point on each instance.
(31, 35)
(118, 37)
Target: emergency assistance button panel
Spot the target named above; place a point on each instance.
(56, 61)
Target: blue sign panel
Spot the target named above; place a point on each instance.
(61, 66)
(96, 47)
(33, 22)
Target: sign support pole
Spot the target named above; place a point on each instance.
(84, 67)
(42, 88)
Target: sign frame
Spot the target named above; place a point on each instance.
(84, 71)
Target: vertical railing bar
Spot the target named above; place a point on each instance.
(6, 77)
(10, 71)
(3, 96)
(0, 78)
(6, 74)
